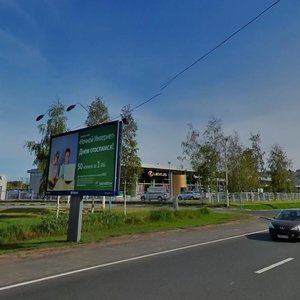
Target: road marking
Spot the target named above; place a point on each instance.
(126, 260)
(274, 265)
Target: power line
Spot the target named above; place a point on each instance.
(145, 102)
(219, 45)
(139, 105)
(165, 85)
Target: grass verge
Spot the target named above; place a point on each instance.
(41, 229)
(267, 205)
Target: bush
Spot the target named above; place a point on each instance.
(12, 233)
(134, 220)
(161, 215)
(204, 211)
(104, 219)
(191, 214)
(50, 224)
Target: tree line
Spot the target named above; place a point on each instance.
(97, 113)
(211, 153)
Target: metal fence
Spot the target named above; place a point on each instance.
(18, 195)
(212, 198)
(220, 197)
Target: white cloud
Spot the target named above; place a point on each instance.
(16, 51)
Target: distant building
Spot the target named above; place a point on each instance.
(165, 175)
(296, 177)
(3, 187)
(34, 180)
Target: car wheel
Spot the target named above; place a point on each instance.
(179, 198)
(143, 198)
(159, 198)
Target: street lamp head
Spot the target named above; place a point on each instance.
(74, 105)
(71, 107)
(125, 121)
(40, 117)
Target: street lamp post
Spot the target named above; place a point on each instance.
(226, 173)
(175, 200)
(170, 188)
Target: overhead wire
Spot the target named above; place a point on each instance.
(218, 46)
(172, 79)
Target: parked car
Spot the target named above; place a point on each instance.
(286, 225)
(189, 195)
(156, 193)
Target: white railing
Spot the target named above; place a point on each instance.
(220, 197)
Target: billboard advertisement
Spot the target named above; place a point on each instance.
(86, 161)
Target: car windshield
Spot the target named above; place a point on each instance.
(291, 215)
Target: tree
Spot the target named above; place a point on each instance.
(98, 113)
(234, 162)
(191, 149)
(17, 184)
(55, 124)
(245, 165)
(206, 156)
(130, 163)
(249, 176)
(258, 154)
(279, 166)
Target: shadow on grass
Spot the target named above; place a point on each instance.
(8, 216)
(25, 210)
(269, 205)
(32, 245)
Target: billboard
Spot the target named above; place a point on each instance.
(86, 161)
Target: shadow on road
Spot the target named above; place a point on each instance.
(263, 236)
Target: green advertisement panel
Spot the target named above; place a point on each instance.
(86, 162)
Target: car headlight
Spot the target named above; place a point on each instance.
(271, 226)
(296, 228)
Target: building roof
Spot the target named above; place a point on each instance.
(164, 167)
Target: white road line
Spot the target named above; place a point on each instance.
(125, 260)
(274, 265)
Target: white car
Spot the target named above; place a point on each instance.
(189, 195)
(156, 195)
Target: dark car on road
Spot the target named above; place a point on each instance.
(286, 225)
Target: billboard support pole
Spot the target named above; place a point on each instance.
(75, 219)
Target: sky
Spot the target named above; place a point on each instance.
(124, 51)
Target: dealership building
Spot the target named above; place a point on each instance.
(167, 176)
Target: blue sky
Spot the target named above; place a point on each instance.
(125, 50)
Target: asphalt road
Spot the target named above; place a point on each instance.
(217, 262)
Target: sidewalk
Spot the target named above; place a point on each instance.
(30, 265)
